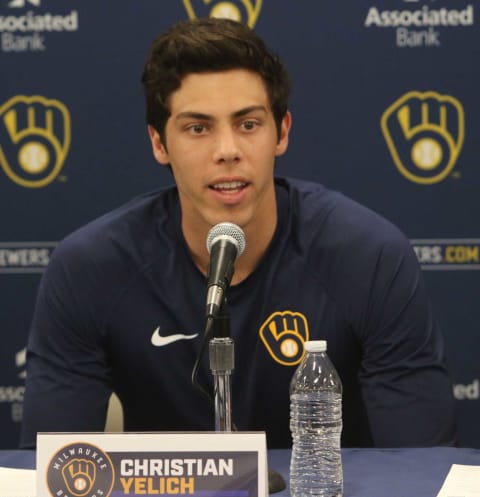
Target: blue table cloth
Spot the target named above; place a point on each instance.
(367, 472)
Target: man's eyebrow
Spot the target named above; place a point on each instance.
(206, 117)
(247, 110)
(193, 115)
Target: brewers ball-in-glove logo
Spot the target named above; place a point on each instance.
(80, 470)
(424, 133)
(245, 11)
(34, 139)
(284, 334)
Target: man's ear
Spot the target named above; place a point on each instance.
(285, 126)
(158, 148)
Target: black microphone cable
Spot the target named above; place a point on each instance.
(207, 335)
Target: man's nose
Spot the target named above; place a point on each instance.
(227, 150)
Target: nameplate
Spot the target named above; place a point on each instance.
(201, 464)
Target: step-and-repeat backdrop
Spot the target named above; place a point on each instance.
(386, 108)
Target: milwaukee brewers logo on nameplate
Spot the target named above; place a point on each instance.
(80, 470)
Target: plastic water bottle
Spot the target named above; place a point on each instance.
(316, 426)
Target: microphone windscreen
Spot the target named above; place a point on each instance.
(227, 230)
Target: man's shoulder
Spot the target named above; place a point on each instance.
(332, 215)
(129, 228)
(345, 244)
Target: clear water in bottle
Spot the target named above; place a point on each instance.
(316, 425)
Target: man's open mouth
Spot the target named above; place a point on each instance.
(229, 186)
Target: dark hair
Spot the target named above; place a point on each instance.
(209, 45)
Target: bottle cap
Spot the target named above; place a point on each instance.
(316, 346)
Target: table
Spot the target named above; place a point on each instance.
(367, 472)
(390, 472)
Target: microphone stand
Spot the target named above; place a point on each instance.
(221, 350)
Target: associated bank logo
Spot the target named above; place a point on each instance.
(22, 3)
(419, 23)
(21, 362)
(443, 254)
(424, 134)
(246, 11)
(14, 394)
(25, 257)
(284, 334)
(469, 391)
(27, 31)
(35, 134)
(79, 470)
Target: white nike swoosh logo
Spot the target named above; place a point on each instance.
(159, 340)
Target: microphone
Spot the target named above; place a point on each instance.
(225, 242)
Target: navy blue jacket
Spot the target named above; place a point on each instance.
(334, 270)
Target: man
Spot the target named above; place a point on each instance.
(121, 306)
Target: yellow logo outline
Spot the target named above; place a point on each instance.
(86, 472)
(402, 110)
(269, 326)
(52, 487)
(252, 11)
(8, 112)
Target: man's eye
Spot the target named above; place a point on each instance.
(197, 129)
(249, 125)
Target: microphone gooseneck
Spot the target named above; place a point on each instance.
(225, 242)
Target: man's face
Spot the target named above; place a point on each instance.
(221, 143)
